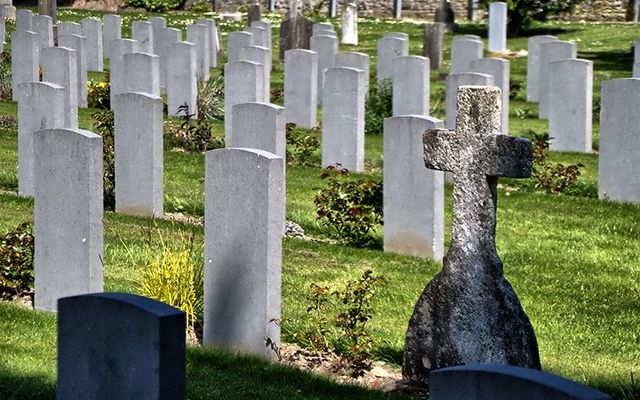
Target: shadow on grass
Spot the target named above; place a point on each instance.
(481, 30)
(25, 387)
(214, 374)
(610, 60)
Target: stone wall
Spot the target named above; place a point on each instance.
(589, 10)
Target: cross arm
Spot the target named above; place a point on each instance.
(440, 146)
(510, 156)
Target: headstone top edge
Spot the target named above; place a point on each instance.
(258, 154)
(66, 131)
(260, 104)
(138, 94)
(142, 303)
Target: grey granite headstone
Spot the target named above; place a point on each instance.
(499, 69)
(550, 52)
(619, 151)
(498, 26)
(120, 346)
(463, 51)
(413, 196)
(446, 15)
(43, 26)
(411, 86)
(244, 221)
(69, 28)
(388, 48)
(260, 37)
(25, 59)
(138, 154)
(59, 66)
(119, 48)
(349, 24)
(142, 32)
(79, 44)
(453, 83)
(295, 33)
(40, 106)
(260, 55)
(198, 34)
(358, 61)
(111, 31)
(259, 126)
(141, 73)
(182, 85)
(24, 20)
(237, 41)
(254, 13)
(92, 30)
(243, 83)
(68, 215)
(327, 48)
(169, 37)
(432, 45)
(158, 24)
(469, 313)
(570, 100)
(343, 119)
(300, 87)
(504, 382)
(533, 65)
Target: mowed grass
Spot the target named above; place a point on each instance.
(574, 261)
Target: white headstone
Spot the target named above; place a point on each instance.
(411, 86)
(389, 48)
(214, 41)
(138, 154)
(267, 27)
(40, 106)
(300, 87)
(25, 59)
(570, 100)
(142, 32)
(69, 28)
(463, 51)
(350, 24)
(498, 26)
(92, 30)
(454, 81)
(43, 26)
(198, 35)
(619, 151)
(260, 36)
(169, 37)
(79, 44)
(499, 69)
(244, 198)
(533, 65)
(59, 66)
(259, 126)
(112, 30)
(343, 119)
(119, 48)
(550, 52)
(326, 47)
(141, 73)
(358, 61)
(260, 55)
(182, 87)
(158, 24)
(243, 82)
(68, 215)
(413, 196)
(24, 20)
(237, 41)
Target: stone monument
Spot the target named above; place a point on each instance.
(295, 31)
(469, 313)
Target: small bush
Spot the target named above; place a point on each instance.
(155, 5)
(351, 207)
(8, 122)
(379, 107)
(211, 99)
(103, 124)
(5, 81)
(514, 88)
(191, 134)
(98, 95)
(173, 273)
(301, 147)
(16, 262)
(345, 332)
(437, 108)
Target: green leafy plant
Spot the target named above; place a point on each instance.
(300, 146)
(438, 103)
(5, 81)
(514, 88)
(551, 177)
(211, 99)
(523, 113)
(317, 332)
(98, 94)
(315, 12)
(352, 208)
(155, 5)
(103, 124)
(173, 273)
(379, 107)
(8, 122)
(192, 134)
(630, 390)
(16, 262)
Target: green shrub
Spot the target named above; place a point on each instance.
(301, 147)
(514, 88)
(351, 207)
(345, 332)
(16, 262)
(8, 122)
(5, 81)
(191, 134)
(173, 273)
(437, 108)
(379, 107)
(155, 5)
(98, 95)
(211, 99)
(103, 124)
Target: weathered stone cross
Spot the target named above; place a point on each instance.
(469, 313)
(477, 155)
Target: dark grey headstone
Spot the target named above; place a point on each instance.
(469, 313)
(502, 382)
(295, 33)
(446, 15)
(255, 13)
(120, 346)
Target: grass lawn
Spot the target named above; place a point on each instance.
(573, 260)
